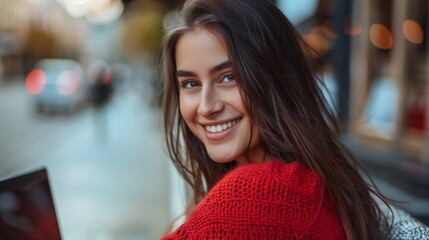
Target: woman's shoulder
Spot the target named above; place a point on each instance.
(271, 200)
(274, 168)
(275, 174)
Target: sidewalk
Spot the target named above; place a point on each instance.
(109, 174)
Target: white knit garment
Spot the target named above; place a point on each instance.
(404, 226)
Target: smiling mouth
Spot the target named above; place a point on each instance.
(222, 127)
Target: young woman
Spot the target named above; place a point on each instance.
(248, 128)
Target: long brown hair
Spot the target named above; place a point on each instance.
(281, 94)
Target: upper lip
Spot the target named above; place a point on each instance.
(214, 123)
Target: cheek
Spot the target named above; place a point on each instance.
(252, 129)
(237, 102)
(188, 109)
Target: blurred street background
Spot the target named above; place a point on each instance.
(80, 95)
(99, 134)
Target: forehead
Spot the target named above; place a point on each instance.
(200, 48)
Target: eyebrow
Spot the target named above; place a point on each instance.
(217, 68)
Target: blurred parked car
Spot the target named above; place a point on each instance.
(57, 85)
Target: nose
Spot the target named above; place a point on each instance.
(210, 102)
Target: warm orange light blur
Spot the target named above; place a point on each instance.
(35, 81)
(350, 29)
(328, 31)
(412, 31)
(356, 30)
(67, 83)
(380, 36)
(317, 38)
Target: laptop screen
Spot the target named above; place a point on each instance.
(27, 209)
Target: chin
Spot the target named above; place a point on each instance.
(221, 159)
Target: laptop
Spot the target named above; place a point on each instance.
(27, 209)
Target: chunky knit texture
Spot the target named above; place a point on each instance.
(271, 200)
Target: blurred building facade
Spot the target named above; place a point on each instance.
(389, 96)
(33, 29)
(375, 54)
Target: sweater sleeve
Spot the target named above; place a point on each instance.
(272, 200)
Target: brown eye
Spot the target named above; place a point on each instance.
(188, 84)
(228, 78)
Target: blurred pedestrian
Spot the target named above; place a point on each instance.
(260, 145)
(101, 88)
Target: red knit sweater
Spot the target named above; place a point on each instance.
(271, 200)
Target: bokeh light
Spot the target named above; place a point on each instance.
(380, 36)
(412, 31)
(350, 28)
(67, 83)
(35, 81)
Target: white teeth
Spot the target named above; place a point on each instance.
(221, 127)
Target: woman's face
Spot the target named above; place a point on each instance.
(210, 101)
